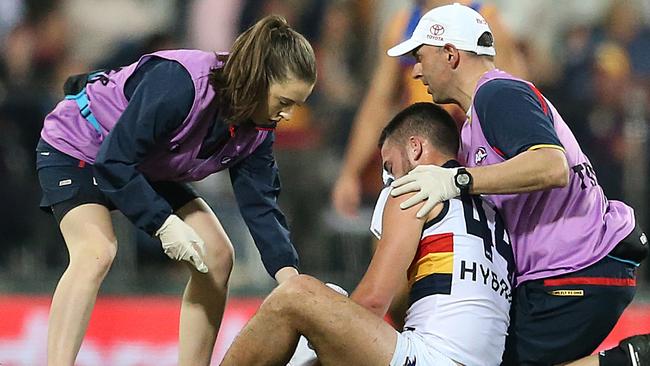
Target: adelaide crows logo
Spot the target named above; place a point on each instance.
(481, 154)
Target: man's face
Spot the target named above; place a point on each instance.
(431, 67)
(394, 159)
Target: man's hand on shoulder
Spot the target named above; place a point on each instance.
(432, 183)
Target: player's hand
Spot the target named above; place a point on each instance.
(433, 184)
(346, 195)
(180, 242)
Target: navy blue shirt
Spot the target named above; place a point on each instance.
(514, 117)
(160, 95)
(256, 183)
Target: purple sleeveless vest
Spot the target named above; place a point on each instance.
(556, 231)
(173, 160)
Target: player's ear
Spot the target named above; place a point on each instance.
(414, 150)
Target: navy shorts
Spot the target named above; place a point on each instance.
(67, 182)
(564, 318)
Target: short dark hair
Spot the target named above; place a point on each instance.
(425, 119)
(485, 40)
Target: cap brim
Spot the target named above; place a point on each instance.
(403, 48)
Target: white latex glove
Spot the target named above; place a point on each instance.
(433, 184)
(180, 242)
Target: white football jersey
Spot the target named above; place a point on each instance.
(460, 281)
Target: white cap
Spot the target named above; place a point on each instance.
(455, 24)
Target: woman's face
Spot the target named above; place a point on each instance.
(283, 97)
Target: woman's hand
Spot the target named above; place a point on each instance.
(285, 273)
(180, 242)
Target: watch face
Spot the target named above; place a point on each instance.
(462, 179)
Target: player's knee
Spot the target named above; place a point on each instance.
(300, 286)
(289, 296)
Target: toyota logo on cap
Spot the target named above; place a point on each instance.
(437, 29)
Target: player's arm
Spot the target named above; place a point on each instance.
(366, 128)
(395, 251)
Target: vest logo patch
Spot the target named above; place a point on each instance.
(567, 293)
(480, 155)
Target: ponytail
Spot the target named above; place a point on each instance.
(269, 51)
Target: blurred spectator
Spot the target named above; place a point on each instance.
(11, 12)
(339, 51)
(129, 51)
(305, 15)
(99, 25)
(623, 25)
(603, 64)
(606, 116)
(207, 34)
(19, 56)
(33, 51)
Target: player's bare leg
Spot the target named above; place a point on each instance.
(90, 239)
(342, 332)
(205, 295)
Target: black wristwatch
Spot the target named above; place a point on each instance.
(463, 180)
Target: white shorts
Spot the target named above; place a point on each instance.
(412, 350)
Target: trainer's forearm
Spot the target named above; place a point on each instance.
(527, 172)
(362, 144)
(374, 113)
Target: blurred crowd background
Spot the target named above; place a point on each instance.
(590, 58)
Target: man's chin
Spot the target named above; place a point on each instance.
(439, 100)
